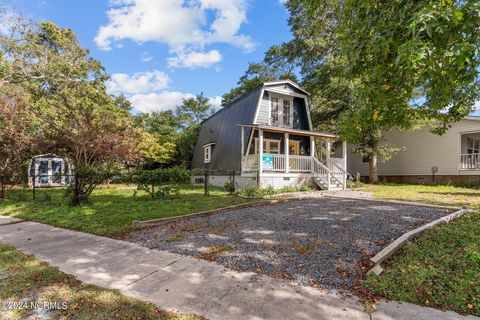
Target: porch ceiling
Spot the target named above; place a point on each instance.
(289, 130)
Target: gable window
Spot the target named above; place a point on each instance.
(287, 113)
(275, 111)
(473, 146)
(281, 111)
(207, 153)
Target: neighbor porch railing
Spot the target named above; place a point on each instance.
(470, 161)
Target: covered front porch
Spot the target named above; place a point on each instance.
(272, 151)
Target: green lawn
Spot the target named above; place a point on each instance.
(440, 268)
(111, 209)
(24, 278)
(440, 195)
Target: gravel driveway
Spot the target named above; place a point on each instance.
(318, 241)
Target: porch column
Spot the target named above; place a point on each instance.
(312, 146)
(260, 152)
(329, 150)
(312, 152)
(287, 156)
(242, 151)
(344, 162)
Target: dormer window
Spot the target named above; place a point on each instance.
(275, 111)
(281, 111)
(287, 117)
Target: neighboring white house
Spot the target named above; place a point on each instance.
(49, 170)
(428, 158)
(266, 136)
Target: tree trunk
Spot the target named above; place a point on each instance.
(75, 201)
(372, 165)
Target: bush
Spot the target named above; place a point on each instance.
(161, 183)
(259, 192)
(229, 186)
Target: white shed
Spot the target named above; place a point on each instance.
(49, 170)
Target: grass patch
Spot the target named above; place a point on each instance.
(440, 268)
(24, 277)
(112, 208)
(439, 195)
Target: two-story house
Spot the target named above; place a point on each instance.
(266, 136)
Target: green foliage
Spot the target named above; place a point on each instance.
(111, 209)
(229, 185)
(161, 183)
(391, 63)
(172, 135)
(269, 191)
(439, 269)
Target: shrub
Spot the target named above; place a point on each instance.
(229, 186)
(161, 183)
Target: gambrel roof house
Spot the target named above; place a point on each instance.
(429, 158)
(267, 137)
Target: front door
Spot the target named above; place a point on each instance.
(294, 147)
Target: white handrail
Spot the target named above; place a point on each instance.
(470, 161)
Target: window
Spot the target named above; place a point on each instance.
(281, 111)
(473, 146)
(286, 113)
(207, 153)
(269, 146)
(365, 159)
(275, 111)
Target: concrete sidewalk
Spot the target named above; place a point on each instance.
(182, 283)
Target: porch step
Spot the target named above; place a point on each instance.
(322, 184)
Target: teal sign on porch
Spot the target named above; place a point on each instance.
(267, 162)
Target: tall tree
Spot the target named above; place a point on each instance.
(405, 60)
(17, 132)
(79, 119)
(190, 115)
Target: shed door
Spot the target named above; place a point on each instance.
(56, 171)
(43, 171)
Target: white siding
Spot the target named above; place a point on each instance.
(422, 150)
(264, 111)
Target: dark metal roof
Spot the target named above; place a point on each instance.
(221, 128)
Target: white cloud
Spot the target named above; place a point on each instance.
(158, 101)
(146, 56)
(140, 82)
(195, 59)
(185, 26)
(216, 102)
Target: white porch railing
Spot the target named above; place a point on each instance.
(278, 163)
(299, 163)
(470, 161)
(250, 163)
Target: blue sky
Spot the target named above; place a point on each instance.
(159, 51)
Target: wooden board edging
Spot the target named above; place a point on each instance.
(155, 222)
(393, 247)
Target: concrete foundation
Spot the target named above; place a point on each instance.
(276, 181)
